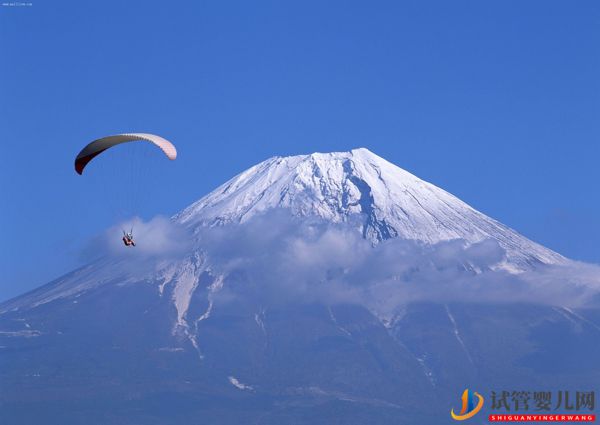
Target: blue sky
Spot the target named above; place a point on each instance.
(496, 102)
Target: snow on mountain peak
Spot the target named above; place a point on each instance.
(329, 185)
(381, 199)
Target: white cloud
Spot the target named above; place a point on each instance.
(158, 237)
(280, 259)
(274, 258)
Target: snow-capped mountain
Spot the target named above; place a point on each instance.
(381, 199)
(256, 320)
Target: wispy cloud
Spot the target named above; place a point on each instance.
(156, 238)
(275, 258)
(279, 259)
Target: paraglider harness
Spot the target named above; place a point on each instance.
(128, 239)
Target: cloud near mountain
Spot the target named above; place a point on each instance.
(158, 237)
(276, 258)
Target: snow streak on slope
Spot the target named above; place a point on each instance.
(358, 187)
(457, 334)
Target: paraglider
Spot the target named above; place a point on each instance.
(98, 146)
(128, 239)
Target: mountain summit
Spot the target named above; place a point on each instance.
(382, 200)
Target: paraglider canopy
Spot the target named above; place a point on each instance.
(98, 146)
